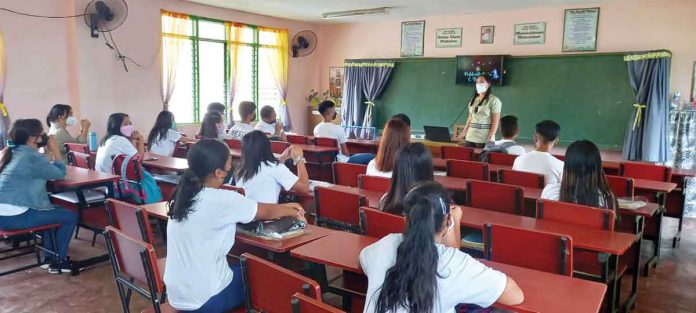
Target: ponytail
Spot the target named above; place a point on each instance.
(182, 200)
(57, 111)
(204, 158)
(411, 284)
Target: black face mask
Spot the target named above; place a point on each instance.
(334, 116)
(43, 142)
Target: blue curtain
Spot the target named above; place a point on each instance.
(364, 80)
(647, 134)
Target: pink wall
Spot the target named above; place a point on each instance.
(624, 25)
(55, 61)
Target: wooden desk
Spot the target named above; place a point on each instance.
(79, 180)
(159, 210)
(544, 292)
(165, 163)
(362, 146)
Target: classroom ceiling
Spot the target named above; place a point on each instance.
(311, 10)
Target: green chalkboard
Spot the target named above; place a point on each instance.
(588, 95)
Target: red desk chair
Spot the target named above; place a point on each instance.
(135, 268)
(338, 209)
(236, 189)
(269, 287)
(377, 224)
(297, 139)
(130, 220)
(467, 169)
(457, 153)
(647, 171)
(621, 186)
(234, 143)
(522, 179)
(76, 147)
(494, 196)
(501, 158)
(323, 142)
(80, 159)
(346, 174)
(36, 234)
(374, 183)
(279, 146)
(303, 304)
(536, 250)
(181, 150)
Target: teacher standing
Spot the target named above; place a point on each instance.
(484, 115)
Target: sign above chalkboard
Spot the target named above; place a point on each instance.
(470, 67)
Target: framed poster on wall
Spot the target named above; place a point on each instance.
(448, 38)
(336, 83)
(487, 35)
(580, 30)
(412, 38)
(530, 34)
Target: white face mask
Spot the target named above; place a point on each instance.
(481, 88)
(71, 121)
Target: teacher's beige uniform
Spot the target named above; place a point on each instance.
(481, 119)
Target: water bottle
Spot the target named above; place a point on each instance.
(92, 141)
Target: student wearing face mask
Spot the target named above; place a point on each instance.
(484, 115)
(212, 127)
(121, 138)
(24, 200)
(163, 137)
(327, 129)
(269, 125)
(60, 117)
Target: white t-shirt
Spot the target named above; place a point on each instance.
(239, 130)
(373, 171)
(266, 128)
(166, 145)
(197, 247)
(266, 185)
(113, 146)
(541, 163)
(331, 130)
(464, 279)
(11, 210)
(515, 150)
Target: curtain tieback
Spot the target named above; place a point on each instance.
(3, 109)
(283, 102)
(639, 113)
(370, 103)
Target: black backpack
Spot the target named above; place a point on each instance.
(492, 147)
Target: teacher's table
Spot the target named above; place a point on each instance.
(543, 292)
(362, 146)
(80, 180)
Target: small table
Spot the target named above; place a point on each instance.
(362, 146)
(165, 163)
(544, 292)
(79, 180)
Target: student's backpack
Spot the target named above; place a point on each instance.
(492, 147)
(148, 192)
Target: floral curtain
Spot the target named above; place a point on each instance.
(173, 25)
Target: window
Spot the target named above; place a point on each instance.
(217, 59)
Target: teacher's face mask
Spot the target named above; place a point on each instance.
(481, 88)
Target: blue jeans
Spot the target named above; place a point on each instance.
(361, 158)
(229, 298)
(33, 218)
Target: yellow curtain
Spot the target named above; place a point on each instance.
(173, 25)
(277, 56)
(234, 38)
(4, 115)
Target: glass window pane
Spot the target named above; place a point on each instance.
(267, 37)
(212, 74)
(181, 103)
(176, 25)
(244, 79)
(268, 90)
(211, 30)
(243, 34)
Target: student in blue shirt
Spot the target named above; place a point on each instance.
(24, 200)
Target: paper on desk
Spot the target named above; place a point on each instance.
(630, 204)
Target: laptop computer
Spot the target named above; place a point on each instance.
(437, 133)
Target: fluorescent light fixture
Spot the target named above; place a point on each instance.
(374, 11)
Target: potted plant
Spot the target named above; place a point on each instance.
(314, 98)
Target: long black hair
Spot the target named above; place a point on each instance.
(208, 126)
(19, 134)
(413, 164)
(256, 150)
(113, 126)
(57, 111)
(411, 284)
(163, 124)
(485, 97)
(204, 158)
(583, 180)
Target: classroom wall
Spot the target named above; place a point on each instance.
(624, 25)
(56, 61)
